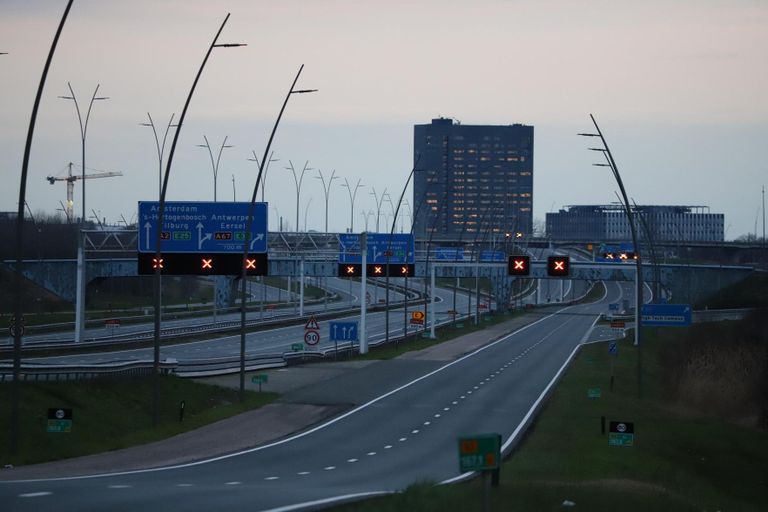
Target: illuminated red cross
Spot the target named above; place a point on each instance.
(157, 263)
(377, 270)
(207, 263)
(623, 256)
(350, 270)
(519, 264)
(250, 263)
(559, 265)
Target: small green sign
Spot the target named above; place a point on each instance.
(621, 439)
(594, 393)
(459, 326)
(480, 452)
(261, 378)
(182, 235)
(60, 426)
(297, 347)
(239, 236)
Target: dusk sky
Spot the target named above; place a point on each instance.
(679, 89)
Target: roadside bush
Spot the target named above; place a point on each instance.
(721, 369)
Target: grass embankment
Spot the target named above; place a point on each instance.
(109, 414)
(700, 432)
(752, 292)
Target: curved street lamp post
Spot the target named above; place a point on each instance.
(605, 150)
(81, 282)
(249, 224)
(160, 214)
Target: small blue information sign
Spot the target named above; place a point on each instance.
(343, 331)
(666, 315)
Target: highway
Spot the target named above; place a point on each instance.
(273, 341)
(406, 433)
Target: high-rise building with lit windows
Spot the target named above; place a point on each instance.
(472, 179)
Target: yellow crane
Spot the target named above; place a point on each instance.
(71, 179)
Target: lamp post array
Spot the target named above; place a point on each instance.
(266, 169)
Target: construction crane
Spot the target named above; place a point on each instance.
(70, 179)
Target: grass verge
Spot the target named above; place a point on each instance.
(109, 414)
(684, 457)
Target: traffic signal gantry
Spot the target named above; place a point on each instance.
(376, 270)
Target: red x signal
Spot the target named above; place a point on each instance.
(157, 263)
(558, 266)
(250, 264)
(378, 269)
(519, 265)
(350, 270)
(207, 263)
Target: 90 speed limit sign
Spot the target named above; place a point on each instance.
(311, 337)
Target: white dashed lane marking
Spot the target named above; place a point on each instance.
(35, 494)
(233, 483)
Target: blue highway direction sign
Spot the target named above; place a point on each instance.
(202, 227)
(382, 248)
(343, 331)
(667, 315)
(449, 253)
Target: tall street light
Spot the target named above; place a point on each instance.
(297, 179)
(378, 204)
(160, 152)
(249, 224)
(160, 147)
(215, 163)
(266, 169)
(20, 237)
(352, 195)
(161, 213)
(605, 150)
(80, 286)
(326, 192)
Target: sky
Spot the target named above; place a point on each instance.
(678, 89)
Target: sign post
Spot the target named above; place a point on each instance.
(482, 453)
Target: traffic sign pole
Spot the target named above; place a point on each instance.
(432, 304)
(363, 330)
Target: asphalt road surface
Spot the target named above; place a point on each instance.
(404, 435)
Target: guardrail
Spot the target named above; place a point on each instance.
(38, 372)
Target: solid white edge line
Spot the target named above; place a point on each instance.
(325, 501)
(318, 427)
(535, 405)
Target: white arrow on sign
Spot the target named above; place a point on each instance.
(259, 236)
(200, 237)
(146, 236)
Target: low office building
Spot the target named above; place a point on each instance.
(662, 223)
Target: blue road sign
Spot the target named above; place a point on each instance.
(202, 227)
(343, 331)
(486, 255)
(666, 315)
(613, 306)
(449, 253)
(399, 246)
(613, 348)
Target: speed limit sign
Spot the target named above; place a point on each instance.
(311, 337)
